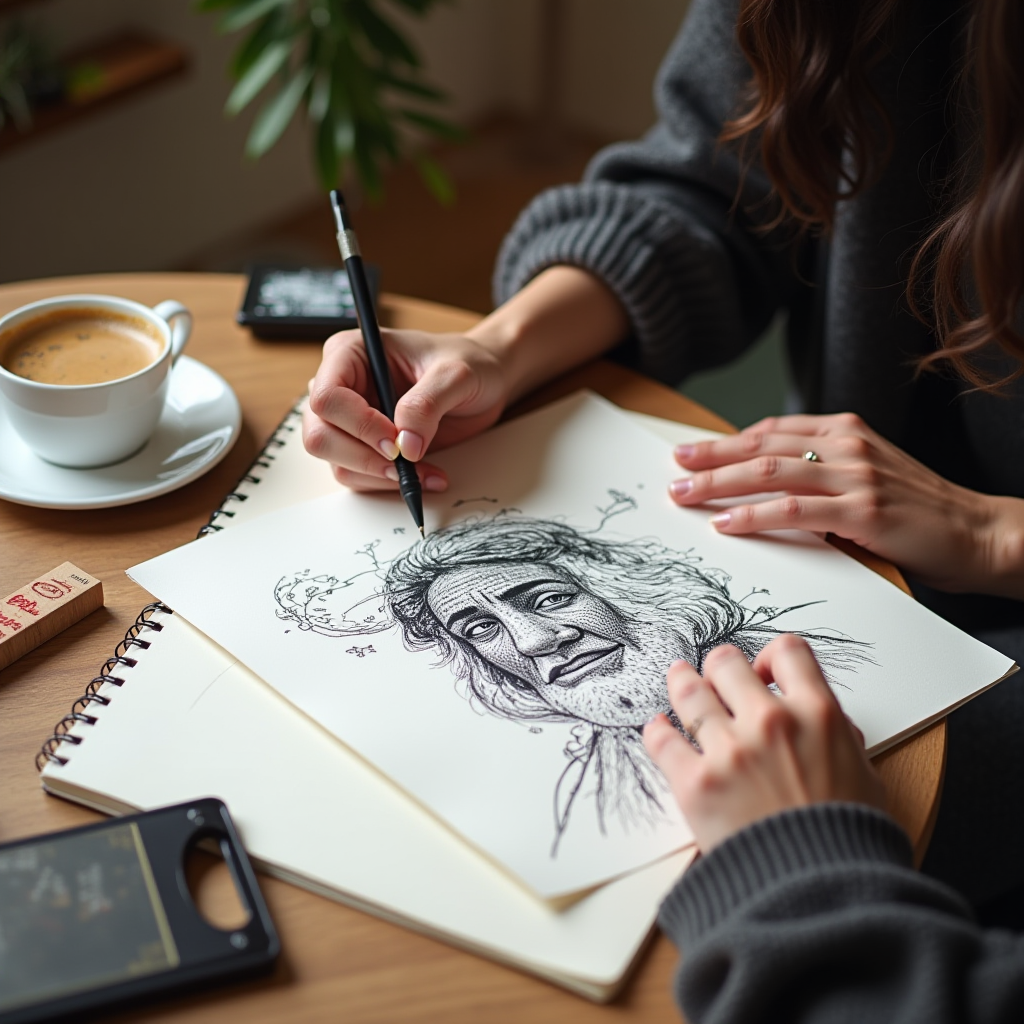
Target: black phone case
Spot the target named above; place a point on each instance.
(207, 955)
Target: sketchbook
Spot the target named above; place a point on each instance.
(499, 672)
(151, 730)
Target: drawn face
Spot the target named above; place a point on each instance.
(583, 656)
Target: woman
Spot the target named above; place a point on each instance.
(846, 162)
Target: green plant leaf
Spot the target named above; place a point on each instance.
(247, 13)
(275, 27)
(436, 179)
(272, 120)
(16, 102)
(382, 35)
(265, 67)
(327, 164)
(366, 164)
(344, 134)
(416, 6)
(436, 126)
(320, 96)
(426, 92)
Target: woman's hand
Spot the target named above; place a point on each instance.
(451, 388)
(760, 754)
(862, 488)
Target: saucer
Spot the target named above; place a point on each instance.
(200, 422)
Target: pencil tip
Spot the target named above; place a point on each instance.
(423, 536)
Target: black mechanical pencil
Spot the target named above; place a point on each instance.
(408, 481)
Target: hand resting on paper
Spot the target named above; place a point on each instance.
(452, 386)
(864, 489)
(761, 754)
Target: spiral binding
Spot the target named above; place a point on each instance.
(79, 712)
(262, 461)
(80, 709)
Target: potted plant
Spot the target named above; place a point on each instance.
(353, 72)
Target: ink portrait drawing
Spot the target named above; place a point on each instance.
(543, 622)
(500, 672)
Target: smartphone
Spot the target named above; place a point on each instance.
(300, 303)
(102, 915)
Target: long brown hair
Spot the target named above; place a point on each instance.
(824, 137)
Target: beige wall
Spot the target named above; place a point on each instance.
(485, 52)
(160, 177)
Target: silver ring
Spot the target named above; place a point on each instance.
(811, 456)
(691, 729)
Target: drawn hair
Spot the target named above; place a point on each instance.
(641, 579)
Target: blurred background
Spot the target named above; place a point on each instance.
(116, 153)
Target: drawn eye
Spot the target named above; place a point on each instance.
(481, 629)
(557, 600)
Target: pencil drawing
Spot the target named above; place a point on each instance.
(469, 501)
(361, 652)
(541, 622)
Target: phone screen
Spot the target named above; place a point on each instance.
(79, 911)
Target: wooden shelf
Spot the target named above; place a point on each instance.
(102, 74)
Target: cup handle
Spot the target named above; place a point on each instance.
(180, 320)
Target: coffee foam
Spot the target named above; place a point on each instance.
(80, 345)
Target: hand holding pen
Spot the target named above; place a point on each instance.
(448, 387)
(408, 480)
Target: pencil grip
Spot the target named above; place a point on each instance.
(407, 476)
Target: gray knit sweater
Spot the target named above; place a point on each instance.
(815, 916)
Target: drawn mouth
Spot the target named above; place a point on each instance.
(573, 671)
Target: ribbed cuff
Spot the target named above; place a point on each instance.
(772, 850)
(670, 272)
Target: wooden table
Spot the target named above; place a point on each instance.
(338, 964)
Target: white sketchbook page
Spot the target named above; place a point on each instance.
(190, 721)
(405, 715)
(288, 474)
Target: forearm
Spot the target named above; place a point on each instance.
(563, 318)
(1000, 547)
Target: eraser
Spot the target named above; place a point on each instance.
(44, 607)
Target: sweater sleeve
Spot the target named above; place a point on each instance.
(659, 221)
(816, 916)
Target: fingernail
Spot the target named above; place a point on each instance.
(389, 449)
(680, 488)
(309, 386)
(720, 520)
(436, 483)
(391, 473)
(684, 451)
(410, 445)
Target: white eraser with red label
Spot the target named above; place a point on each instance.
(44, 607)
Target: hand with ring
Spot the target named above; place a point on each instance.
(760, 754)
(839, 476)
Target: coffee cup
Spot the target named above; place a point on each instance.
(84, 378)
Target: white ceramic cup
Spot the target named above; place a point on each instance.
(87, 425)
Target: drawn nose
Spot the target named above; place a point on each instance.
(535, 635)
